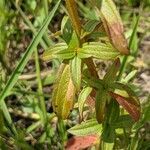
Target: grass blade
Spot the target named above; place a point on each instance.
(14, 77)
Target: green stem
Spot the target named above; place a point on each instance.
(62, 131)
(45, 3)
(40, 88)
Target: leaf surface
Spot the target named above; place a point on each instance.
(82, 98)
(86, 128)
(63, 93)
(113, 25)
(101, 99)
(129, 105)
(81, 142)
(98, 50)
(75, 65)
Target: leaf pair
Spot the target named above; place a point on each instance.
(104, 51)
(107, 88)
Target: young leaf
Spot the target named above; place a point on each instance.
(75, 67)
(81, 142)
(74, 42)
(112, 71)
(63, 93)
(113, 25)
(129, 104)
(88, 127)
(97, 50)
(101, 99)
(82, 98)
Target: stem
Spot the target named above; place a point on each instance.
(45, 3)
(73, 14)
(40, 89)
(62, 131)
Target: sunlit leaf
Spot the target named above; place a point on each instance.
(88, 127)
(81, 142)
(98, 50)
(130, 76)
(59, 51)
(129, 104)
(63, 93)
(113, 25)
(82, 98)
(74, 42)
(90, 25)
(75, 67)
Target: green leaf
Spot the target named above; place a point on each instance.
(113, 111)
(107, 146)
(108, 134)
(66, 29)
(59, 54)
(14, 77)
(101, 99)
(74, 42)
(82, 98)
(133, 43)
(95, 83)
(130, 76)
(75, 65)
(112, 71)
(124, 121)
(98, 50)
(63, 93)
(88, 127)
(90, 25)
(53, 50)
